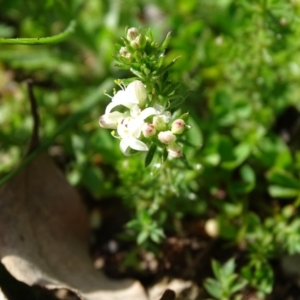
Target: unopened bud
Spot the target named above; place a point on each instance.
(132, 33)
(174, 150)
(148, 130)
(123, 51)
(167, 137)
(129, 56)
(178, 126)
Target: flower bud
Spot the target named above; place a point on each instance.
(129, 56)
(159, 123)
(148, 130)
(178, 126)
(174, 150)
(138, 90)
(132, 33)
(123, 51)
(134, 44)
(167, 137)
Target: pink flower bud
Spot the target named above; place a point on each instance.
(174, 150)
(167, 137)
(148, 130)
(178, 126)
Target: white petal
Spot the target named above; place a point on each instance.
(124, 145)
(138, 91)
(122, 131)
(110, 106)
(135, 110)
(148, 112)
(121, 98)
(137, 144)
(110, 120)
(135, 127)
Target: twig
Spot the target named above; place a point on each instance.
(43, 40)
(34, 142)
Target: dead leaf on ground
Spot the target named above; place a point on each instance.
(2, 296)
(181, 289)
(44, 236)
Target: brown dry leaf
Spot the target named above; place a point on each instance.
(2, 296)
(44, 236)
(182, 289)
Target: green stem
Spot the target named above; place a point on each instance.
(91, 101)
(41, 41)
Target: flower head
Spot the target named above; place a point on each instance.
(129, 130)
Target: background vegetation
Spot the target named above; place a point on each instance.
(240, 63)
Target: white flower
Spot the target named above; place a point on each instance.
(130, 128)
(110, 120)
(134, 95)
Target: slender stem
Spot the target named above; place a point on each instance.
(43, 40)
(34, 142)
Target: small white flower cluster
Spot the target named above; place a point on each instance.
(139, 125)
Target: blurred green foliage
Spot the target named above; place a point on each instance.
(240, 62)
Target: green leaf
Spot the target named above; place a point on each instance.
(242, 151)
(150, 154)
(283, 178)
(239, 285)
(213, 288)
(216, 266)
(166, 42)
(277, 191)
(229, 266)
(142, 237)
